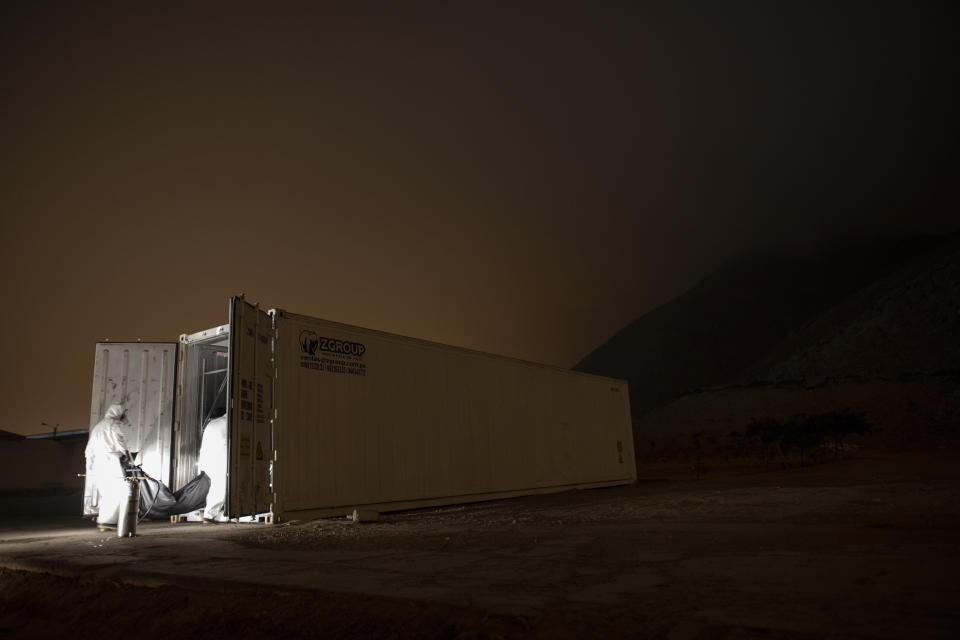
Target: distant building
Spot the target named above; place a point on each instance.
(38, 472)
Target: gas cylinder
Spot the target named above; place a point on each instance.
(129, 509)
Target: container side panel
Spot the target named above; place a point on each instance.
(186, 431)
(263, 447)
(369, 418)
(251, 371)
(139, 375)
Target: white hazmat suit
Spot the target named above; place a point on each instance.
(213, 462)
(104, 448)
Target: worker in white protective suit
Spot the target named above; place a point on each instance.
(104, 448)
(213, 462)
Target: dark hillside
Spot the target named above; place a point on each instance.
(725, 325)
(890, 351)
(905, 325)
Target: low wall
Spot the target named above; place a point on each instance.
(40, 476)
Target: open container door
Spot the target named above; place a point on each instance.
(250, 391)
(141, 377)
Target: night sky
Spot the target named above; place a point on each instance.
(523, 181)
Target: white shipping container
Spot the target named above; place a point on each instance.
(325, 418)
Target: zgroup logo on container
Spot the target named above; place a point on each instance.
(310, 343)
(335, 356)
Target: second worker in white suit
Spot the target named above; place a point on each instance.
(213, 462)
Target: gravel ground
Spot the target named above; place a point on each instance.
(864, 548)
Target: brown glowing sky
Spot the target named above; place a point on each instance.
(523, 182)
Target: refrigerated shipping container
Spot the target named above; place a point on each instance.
(325, 418)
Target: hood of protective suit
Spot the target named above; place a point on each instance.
(116, 412)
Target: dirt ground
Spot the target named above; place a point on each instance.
(861, 548)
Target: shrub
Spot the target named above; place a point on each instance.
(806, 434)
